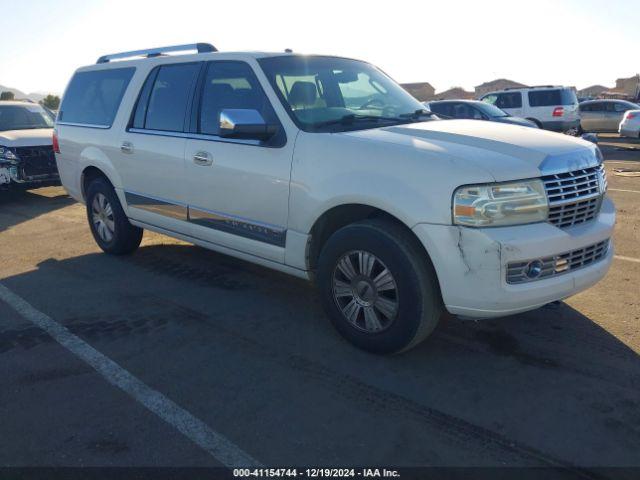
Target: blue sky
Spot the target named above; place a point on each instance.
(448, 43)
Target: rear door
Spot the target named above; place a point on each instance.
(238, 198)
(591, 116)
(614, 113)
(151, 150)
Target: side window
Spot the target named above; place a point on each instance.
(545, 98)
(476, 114)
(461, 110)
(490, 99)
(621, 107)
(231, 85)
(93, 98)
(509, 100)
(440, 108)
(169, 97)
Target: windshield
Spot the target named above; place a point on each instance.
(336, 94)
(491, 110)
(24, 117)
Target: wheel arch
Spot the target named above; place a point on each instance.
(536, 121)
(336, 217)
(89, 174)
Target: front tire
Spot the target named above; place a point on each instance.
(109, 225)
(378, 286)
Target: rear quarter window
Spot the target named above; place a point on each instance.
(93, 98)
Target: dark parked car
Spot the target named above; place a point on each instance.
(475, 110)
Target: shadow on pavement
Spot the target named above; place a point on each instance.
(19, 205)
(548, 384)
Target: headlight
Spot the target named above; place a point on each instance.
(6, 154)
(599, 155)
(499, 204)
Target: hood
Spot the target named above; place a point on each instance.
(515, 121)
(507, 152)
(26, 138)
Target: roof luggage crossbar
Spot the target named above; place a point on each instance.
(156, 52)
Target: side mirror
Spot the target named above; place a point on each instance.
(245, 124)
(590, 137)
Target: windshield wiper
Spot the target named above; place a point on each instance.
(421, 112)
(353, 118)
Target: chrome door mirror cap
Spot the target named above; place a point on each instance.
(245, 124)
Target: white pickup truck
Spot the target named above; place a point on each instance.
(325, 168)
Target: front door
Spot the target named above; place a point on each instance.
(237, 190)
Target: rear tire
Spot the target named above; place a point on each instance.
(378, 287)
(108, 223)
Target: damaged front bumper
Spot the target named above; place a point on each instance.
(474, 265)
(28, 165)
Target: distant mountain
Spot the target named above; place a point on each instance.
(20, 95)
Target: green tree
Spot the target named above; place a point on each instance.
(7, 96)
(52, 102)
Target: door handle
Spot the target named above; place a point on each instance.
(203, 159)
(126, 147)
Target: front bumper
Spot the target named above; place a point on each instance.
(471, 263)
(14, 173)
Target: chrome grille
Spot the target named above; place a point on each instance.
(575, 197)
(557, 264)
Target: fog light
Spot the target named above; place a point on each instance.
(533, 269)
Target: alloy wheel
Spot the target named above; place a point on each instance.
(365, 291)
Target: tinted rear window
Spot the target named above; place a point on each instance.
(550, 98)
(93, 98)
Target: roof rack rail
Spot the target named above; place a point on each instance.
(156, 52)
(533, 86)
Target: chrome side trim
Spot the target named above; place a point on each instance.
(242, 227)
(86, 125)
(196, 136)
(224, 222)
(157, 205)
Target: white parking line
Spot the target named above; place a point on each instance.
(628, 259)
(622, 190)
(197, 431)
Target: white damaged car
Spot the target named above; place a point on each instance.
(325, 168)
(26, 150)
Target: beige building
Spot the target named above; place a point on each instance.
(493, 85)
(455, 93)
(423, 91)
(630, 87)
(592, 91)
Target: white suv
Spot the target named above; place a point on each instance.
(325, 168)
(549, 107)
